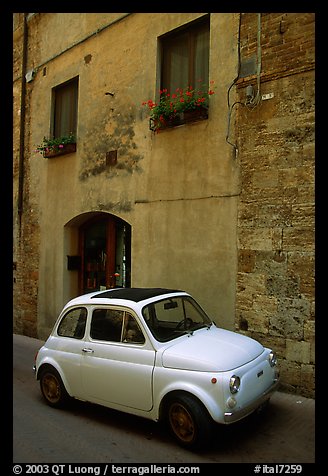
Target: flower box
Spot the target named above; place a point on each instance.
(195, 115)
(56, 151)
(181, 107)
(185, 117)
(52, 147)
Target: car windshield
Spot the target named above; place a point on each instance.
(168, 319)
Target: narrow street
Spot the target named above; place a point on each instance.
(85, 433)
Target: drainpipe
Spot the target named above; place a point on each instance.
(22, 126)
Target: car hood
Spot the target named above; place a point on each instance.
(211, 350)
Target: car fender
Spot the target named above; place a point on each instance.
(208, 393)
(48, 361)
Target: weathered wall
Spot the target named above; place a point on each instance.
(26, 232)
(191, 166)
(275, 280)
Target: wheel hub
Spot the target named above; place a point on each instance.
(182, 423)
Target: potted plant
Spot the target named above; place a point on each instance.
(57, 146)
(184, 105)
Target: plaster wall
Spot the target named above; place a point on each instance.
(177, 189)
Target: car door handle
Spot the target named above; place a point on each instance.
(87, 350)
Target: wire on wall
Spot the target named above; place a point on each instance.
(257, 98)
(251, 100)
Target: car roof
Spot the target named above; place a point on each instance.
(118, 296)
(133, 294)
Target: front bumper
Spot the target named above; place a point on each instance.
(233, 416)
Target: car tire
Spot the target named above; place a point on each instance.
(188, 421)
(52, 388)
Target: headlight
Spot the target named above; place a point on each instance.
(234, 384)
(272, 359)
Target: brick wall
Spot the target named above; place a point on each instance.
(287, 40)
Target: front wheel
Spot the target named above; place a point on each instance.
(189, 421)
(52, 388)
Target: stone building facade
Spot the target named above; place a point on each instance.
(222, 207)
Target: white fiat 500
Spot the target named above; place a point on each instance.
(155, 353)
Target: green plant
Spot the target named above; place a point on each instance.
(171, 106)
(56, 144)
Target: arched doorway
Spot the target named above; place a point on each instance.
(105, 250)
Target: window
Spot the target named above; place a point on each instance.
(132, 332)
(106, 325)
(65, 99)
(115, 326)
(169, 318)
(73, 323)
(185, 56)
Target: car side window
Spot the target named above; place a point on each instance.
(73, 323)
(132, 332)
(115, 325)
(106, 324)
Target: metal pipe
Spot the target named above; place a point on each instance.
(22, 125)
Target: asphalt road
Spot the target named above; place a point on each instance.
(86, 433)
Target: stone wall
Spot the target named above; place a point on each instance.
(275, 279)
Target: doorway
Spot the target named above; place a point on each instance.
(105, 250)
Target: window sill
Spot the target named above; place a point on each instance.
(66, 149)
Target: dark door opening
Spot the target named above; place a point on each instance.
(105, 247)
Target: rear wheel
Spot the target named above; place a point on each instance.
(189, 421)
(52, 388)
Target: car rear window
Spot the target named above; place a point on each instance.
(73, 323)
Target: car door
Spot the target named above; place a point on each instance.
(117, 360)
(67, 342)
